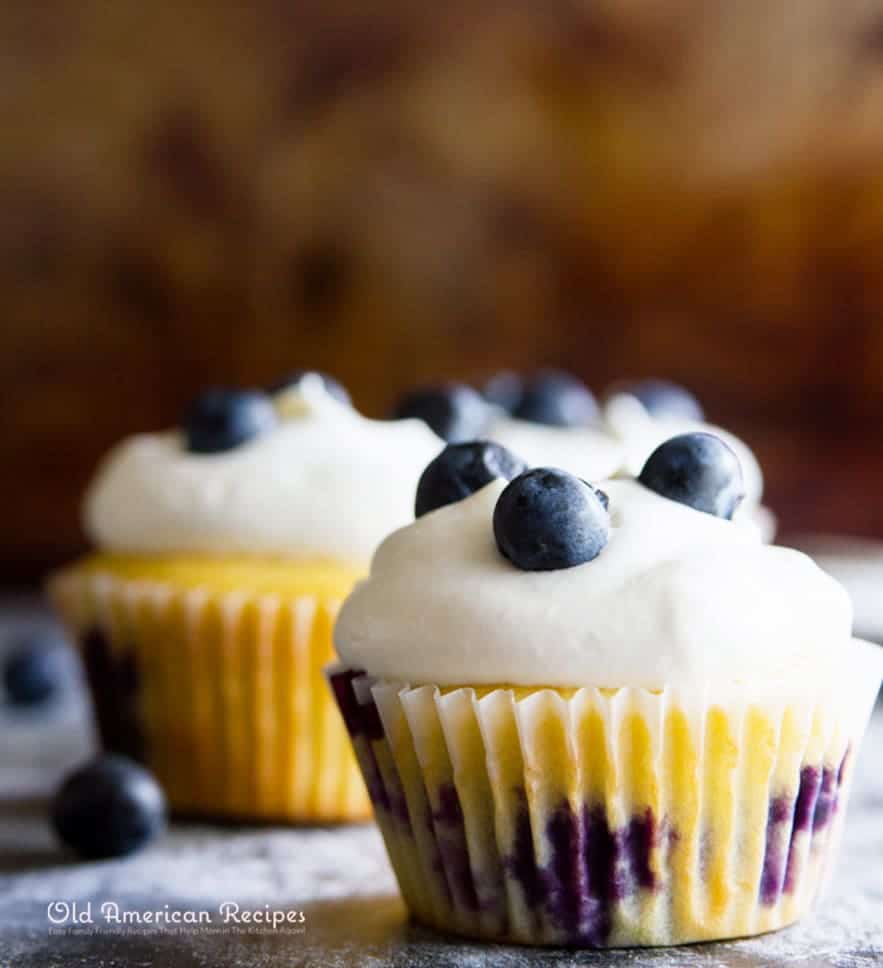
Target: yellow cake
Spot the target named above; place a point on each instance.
(205, 618)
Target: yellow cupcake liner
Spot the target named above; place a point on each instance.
(606, 818)
(220, 692)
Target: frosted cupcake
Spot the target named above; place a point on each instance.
(605, 715)
(205, 617)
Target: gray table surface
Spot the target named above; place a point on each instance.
(339, 878)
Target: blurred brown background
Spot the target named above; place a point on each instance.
(396, 191)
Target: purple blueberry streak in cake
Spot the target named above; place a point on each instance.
(810, 812)
(772, 876)
(807, 795)
(450, 833)
(826, 802)
(521, 862)
(564, 881)
(591, 867)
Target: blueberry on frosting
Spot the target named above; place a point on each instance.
(698, 470)
(222, 419)
(546, 519)
(504, 390)
(461, 470)
(334, 388)
(454, 411)
(662, 398)
(558, 399)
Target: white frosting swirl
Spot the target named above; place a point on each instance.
(589, 453)
(678, 597)
(326, 482)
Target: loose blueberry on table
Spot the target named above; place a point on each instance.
(334, 388)
(698, 470)
(221, 419)
(34, 671)
(547, 519)
(454, 411)
(461, 470)
(108, 808)
(558, 399)
(662, 398)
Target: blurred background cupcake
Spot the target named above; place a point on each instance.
(204, 618)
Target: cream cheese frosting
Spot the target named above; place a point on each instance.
(325, 482)
(585, 451)
(678, 597)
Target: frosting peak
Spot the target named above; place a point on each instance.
(325, 482)
(585, 451)
(677, 597)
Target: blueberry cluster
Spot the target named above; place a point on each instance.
(457, 413)
(222, 418)
(546, 519)
(557, 398)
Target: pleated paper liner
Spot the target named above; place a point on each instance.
(606, 817)
(221, 694)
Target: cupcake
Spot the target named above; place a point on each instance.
(205, 616)
(643, 414)
(601, 715)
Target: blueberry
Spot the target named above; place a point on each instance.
(698, 470)
(108, 808)
(461, 470)
(220, 420)
(547, 519)
(334, 388)
(504, 390)
(454, 411)
(661, 398)
(558, 399)
(34, 671)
